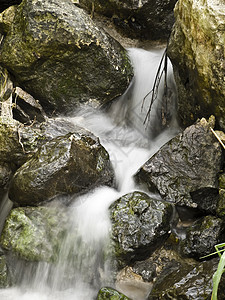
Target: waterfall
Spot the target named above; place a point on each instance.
(81, 269)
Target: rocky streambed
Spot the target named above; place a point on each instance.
(71, 210)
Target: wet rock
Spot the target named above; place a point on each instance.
(106, 293)
(34, 234)
(146, 269)
(26, 109)
(18, 142)
(139, 19)
(202, 236)
(6, 90)
(140, 224)
(220, 210)
(6, 3)
(70, 164)
(185, 170)
(185, 282)
(5, 280)
(5, 176)
(196, 49)
(59, 56)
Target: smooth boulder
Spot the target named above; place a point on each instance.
(196, 49)
(69, 164)
(58, 55)
(185, 170)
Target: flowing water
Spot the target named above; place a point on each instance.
(81, 270)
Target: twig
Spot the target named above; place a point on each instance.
(218, 138)
(155, 88)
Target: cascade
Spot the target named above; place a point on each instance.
(81, 270)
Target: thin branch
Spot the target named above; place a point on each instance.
(218, 138)
(157, 81)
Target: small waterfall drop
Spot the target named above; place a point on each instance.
(81, 269)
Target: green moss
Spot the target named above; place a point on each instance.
(33, 234)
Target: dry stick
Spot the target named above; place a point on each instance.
(155, 88)
(218, 138)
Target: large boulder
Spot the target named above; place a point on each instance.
(148, 19)
(196, 49)
(60, 57)
(34, 233)
(185, 170)
(65, 165)
(140, 224)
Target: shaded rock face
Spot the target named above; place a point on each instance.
(182, 282)
(185, 170)
(146, 19)
(6, 3)
(65, 165)
(34, 234)
(202, 236)
(60, 57)
(139, 225)
(196, 49)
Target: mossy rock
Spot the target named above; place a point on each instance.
(140, 225)
(196, 49)
(107, 293)
(65, 165)
(34, 233)
(58, 55)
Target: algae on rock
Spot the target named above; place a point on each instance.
(196, 49)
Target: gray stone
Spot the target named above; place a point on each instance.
(185, 170)
(146, 19)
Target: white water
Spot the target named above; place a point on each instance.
(81, 271)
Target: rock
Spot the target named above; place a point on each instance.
(140, 224)
(5, 176)
(107, 293)
(6, 19)
(196, 49)
(146, 269)
(185, 282)
(59, 56)
(5, 280)
(26, 109)
(220, 210)
(34, 233)
(138, 19)
(66, 165)
(6, 3)
(132, 284)
(202, 236)
(185, 170)
(18, 142)
(6, 90)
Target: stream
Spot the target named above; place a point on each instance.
(81, 270)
